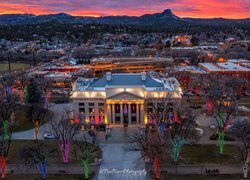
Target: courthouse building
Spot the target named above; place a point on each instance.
(121, 98)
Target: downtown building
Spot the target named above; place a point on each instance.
(121, 98)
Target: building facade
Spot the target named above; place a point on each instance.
(122, 98)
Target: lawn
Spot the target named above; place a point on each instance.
(14, 66)
(205, 154)
(54, 158)
(22, 123)
(200, 177)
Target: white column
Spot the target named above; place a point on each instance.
(109, 113)
(129, 114)
(143, 113)
(121, 113)
(137, 113)
(87, 112)
(113, 113)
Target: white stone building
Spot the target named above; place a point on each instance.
(121, 98)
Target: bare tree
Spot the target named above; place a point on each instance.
(84, 151)
(179, 127)
(151, 147)
(160, 110)
(35, 156)
(223, 97)
(8, 105)
(35, 105)
(65, 131)
(240, 129)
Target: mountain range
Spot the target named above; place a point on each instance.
(165, 18)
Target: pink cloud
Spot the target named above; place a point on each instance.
(182, 8)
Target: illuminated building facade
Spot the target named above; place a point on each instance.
(121, 98)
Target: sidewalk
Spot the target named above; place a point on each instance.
(52, 169)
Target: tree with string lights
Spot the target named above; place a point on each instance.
(173, 127)
(36, 156)
(178, 129)
(8, 105)
(222, 102)
(240, 130)
(65, 132)
(149, 144)
(35, 105)
(84, 151)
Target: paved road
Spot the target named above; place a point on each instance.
(127, 163)
(30, 134)
(118, 163)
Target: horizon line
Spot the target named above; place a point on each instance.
(118, 15)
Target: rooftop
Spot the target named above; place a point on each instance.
(127, 80)
(227, 66)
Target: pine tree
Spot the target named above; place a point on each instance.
(34, 101)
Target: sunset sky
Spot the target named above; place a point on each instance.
(183, 8)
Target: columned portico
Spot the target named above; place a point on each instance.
(125, 112)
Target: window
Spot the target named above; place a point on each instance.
(91, 104)
(81, 104)
(100, 104)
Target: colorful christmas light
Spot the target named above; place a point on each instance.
(177, 144)
(37, 123)
(156, 165)
(26, 93)
(8, 90)
(84, 163)
(42, 166)
(3, 164)
(221, 132)
(65, 148)
(5, 130)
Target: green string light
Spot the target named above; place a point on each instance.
(177, 143)
(5, 130)
(221, 132)
(86, 168)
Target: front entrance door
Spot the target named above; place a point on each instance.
(125, 119)
(125, 113)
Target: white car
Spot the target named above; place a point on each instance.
(49, 136)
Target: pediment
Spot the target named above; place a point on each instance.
(124, 96)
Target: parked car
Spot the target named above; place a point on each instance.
(56, 92)
(48, 136)
(188, 93)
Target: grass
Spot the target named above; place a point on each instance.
(54, 158)
(14, 66)
(49, 177)
(201, 177)
(22, 122)
(203, 154)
